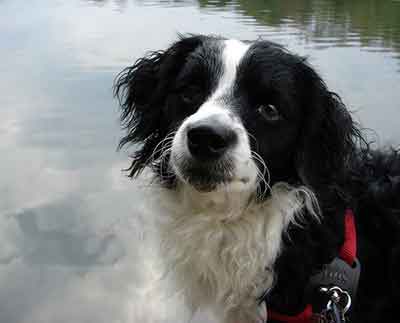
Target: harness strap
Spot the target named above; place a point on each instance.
(303, 317)
(347, 253)
(348, 250)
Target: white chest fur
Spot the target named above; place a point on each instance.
(221, 248)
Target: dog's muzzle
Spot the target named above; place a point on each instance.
(202, 152)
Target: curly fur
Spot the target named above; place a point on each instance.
(241, 244)
(228, 245)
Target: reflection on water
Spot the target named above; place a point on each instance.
(72, 248)
(59, 247)
(371, 23)
(374, 24)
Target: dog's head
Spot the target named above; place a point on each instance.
(224, 114)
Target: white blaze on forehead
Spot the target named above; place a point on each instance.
(232, 54)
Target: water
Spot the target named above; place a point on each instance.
(70, 249)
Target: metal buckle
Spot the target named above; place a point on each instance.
(337, 273)
(338, 304)
(337, 298)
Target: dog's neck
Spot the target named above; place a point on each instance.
(223, 245)
(222, 205)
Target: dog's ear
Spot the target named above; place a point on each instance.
(141, 90)
(328, 134)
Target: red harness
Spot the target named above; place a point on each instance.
(347, 253)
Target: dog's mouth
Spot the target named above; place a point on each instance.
(203, 176)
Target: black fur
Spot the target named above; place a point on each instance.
(317, 144)
(150, 91)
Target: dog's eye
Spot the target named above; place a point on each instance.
(269, 112)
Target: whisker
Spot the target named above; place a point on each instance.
(160, 145)
(261, 175)
(254, 138)
(169, 174)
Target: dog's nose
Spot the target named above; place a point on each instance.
(209, 140)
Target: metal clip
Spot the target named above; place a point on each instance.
(338, 305)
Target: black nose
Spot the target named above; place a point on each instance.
(210, 140)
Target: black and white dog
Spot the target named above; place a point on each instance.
(256, 163)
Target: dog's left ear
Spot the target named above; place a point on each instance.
(142, 90)
(328, 133)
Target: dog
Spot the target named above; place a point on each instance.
(257, 165)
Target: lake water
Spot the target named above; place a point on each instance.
(70, 248)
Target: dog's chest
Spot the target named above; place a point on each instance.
(222, 249)
(221, 258)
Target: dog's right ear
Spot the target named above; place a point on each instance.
(141, 90)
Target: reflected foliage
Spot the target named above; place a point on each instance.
(374, 23)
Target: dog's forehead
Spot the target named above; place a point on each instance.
(232, 54)
(228, 52)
